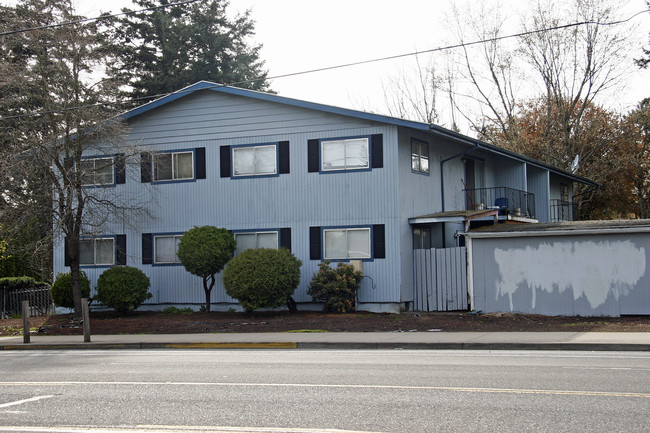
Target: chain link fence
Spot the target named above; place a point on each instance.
(40, 301)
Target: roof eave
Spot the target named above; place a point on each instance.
(379, 118)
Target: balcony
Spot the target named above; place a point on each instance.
(561, 211)
(508, 201)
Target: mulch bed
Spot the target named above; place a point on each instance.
(150, 322)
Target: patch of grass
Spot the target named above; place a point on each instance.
(174, 310)
(306, 330)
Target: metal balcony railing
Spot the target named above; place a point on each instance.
(561, 211)
(508, 201)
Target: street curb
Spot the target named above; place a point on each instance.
(106, 346)
(339, 346)
(481, 346)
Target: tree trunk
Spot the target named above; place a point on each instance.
(208, 290)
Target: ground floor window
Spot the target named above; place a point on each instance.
(97, 251)
(166, 248)
(347, 243)
(250, 240)
(421, 238)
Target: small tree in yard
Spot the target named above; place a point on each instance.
(336, 287)
(263, 278)
(204, 251)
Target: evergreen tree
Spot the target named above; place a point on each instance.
(163, 50)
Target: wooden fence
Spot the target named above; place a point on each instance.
(440, 279)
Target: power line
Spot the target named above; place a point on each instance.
(103, 17)
(328, 68)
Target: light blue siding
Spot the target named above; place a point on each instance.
(538, 184)
(297, 200)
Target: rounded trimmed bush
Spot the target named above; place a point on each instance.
(262, 278)
(204, 251)
(123, 288)
(61, 289)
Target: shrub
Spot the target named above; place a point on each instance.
(123, 288)
(337, 288)
(19, 283)
(176, 310)
(61, 289)
(262, 278)
(204, 251)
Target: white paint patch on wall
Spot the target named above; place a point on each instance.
(592, 269)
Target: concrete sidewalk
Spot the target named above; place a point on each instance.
(618, 341)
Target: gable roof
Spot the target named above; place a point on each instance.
(421, 126)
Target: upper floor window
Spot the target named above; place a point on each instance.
(166, 248)
(420, 156)
(97, 251)
(345, 154)
(178, 165)
(173, 166)
(250, 240)
(257, 160)
(97, 171)
(347, 243)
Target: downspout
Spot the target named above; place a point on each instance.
(442, 178)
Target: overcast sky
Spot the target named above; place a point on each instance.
(300, 35)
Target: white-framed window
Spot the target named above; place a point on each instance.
(97, 171)
(259, 160)
(347, 243)
(420, 156)
(261, 239)
(173, 166)
(421, 238)
(165, 249)
(97, 251)
(345, 154)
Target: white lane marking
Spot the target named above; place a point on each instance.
(608, 368)
(319, 385)
(170, 429)
(27, 400)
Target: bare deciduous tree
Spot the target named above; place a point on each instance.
(53, 116)
(414, 94)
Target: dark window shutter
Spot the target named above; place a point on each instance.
(378, 241)
(312, 156)
(283, 157)
(66, 256)
(199, 160)
(120, 249)
(224, 153)
(314, 243)
(145, 167)
(120, 169)
(377, 144)
(147, 248)
(285, 238)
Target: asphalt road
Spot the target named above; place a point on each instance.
(312, 391)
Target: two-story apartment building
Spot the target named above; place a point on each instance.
(322, 181)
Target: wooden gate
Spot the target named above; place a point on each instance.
(440, 279)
